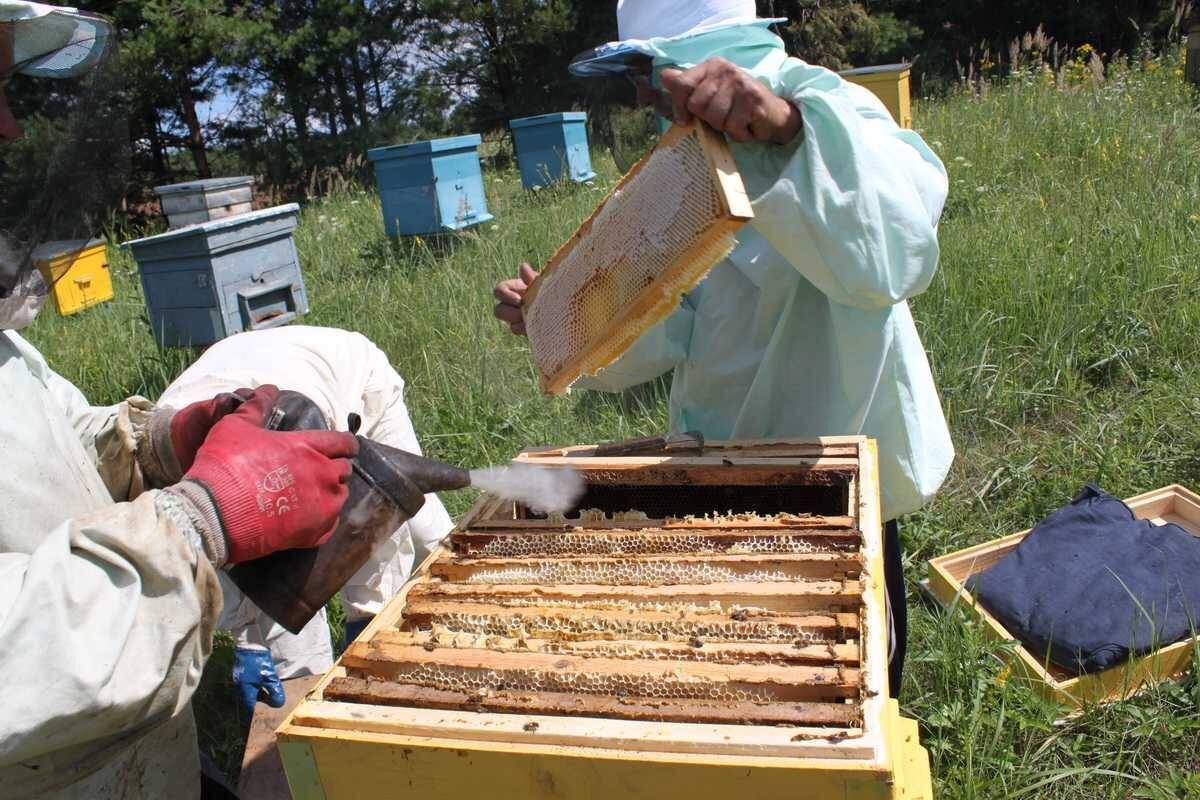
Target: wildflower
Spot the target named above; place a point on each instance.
(1194, 217)
(418, 241)
(959, 158)
(967, 164)
(495, 227)
(1003, 676)
(981, 189)
(1084, 50)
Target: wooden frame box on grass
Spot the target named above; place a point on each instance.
(948, 575)
(633, 674)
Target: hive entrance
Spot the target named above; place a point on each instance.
(671, 613)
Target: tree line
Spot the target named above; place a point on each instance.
(281, 87)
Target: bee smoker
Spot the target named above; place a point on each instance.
(386, 488)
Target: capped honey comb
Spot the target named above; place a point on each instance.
(654, 237)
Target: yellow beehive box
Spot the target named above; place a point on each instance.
(889, 83)
(642, 645)
(76, 272)
(948, 575)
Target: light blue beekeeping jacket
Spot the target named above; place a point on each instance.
(805, 328)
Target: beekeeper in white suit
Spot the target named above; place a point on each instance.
(115, 520)
(342, 373)
(804, 329)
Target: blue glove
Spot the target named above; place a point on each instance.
(254, 678)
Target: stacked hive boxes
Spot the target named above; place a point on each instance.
(221, 268)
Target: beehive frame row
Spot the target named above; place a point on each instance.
(833, 725)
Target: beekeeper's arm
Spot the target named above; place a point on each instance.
(136, 445)
(846, 196)
(108, 619)
(853, 201)
(106, 625)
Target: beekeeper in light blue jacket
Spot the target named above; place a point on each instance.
(804, 329)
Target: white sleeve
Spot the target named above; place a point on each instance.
(107, 623)
(853, 203)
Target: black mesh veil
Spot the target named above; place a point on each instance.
(67, 176)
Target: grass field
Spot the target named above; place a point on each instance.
(1062, 328)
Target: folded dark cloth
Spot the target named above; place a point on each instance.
(1091, 584)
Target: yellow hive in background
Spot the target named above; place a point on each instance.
(890, 84)
(76, 272)
(654, 237)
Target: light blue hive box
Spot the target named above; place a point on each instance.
(430, 187)
(552, 147)
(208, 281)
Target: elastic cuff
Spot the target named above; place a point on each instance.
(202, 512)
(156, 454)
(239, 513)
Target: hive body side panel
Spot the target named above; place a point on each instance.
(874, 616)
(369, 765)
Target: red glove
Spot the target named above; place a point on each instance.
(173, 437)
(191, 424)
(272, 490)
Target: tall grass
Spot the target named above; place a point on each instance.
(1062, 329)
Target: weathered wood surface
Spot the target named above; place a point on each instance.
(387, 693)
(676, 678)
(569, 624)
(814, 566)
(720, 652)
(779, 596)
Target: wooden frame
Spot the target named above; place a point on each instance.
(656, 300)
(865, 752)
(947, 581)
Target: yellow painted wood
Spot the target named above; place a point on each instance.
(373, 765)
(78, 280)
(947, 580)
(301, 769)
(363, 764)
(892, 87)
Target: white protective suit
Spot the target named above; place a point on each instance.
(106, 607)
(805, 329)
(341, 372)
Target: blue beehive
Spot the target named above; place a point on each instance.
(552, 147)
(205, 282)
(429, 187)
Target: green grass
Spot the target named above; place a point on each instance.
(1062, 329)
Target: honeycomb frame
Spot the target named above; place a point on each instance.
(614, 279)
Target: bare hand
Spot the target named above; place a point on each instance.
(509, 295)
(732, 102)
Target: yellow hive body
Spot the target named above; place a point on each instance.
(948, 575)
(77, 273)
(701, 626)
(890, 83)
(653, 238)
